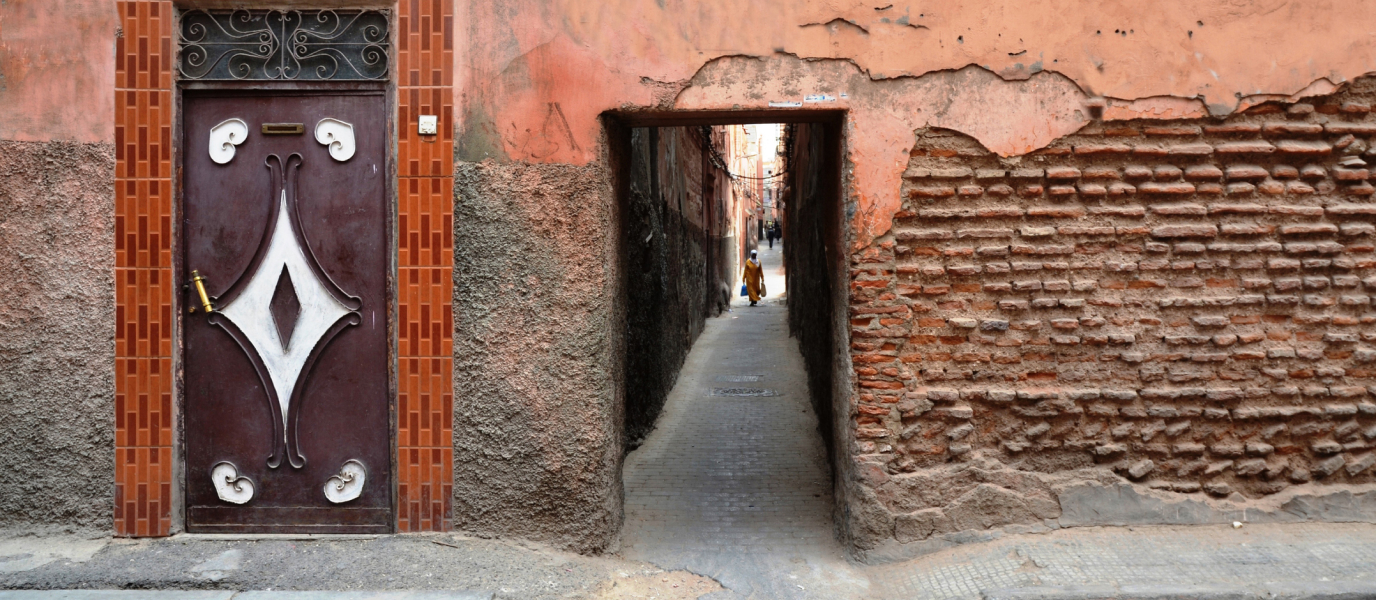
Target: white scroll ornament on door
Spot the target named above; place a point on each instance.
(224, 137)
(338, 135)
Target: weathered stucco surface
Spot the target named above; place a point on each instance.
(534, 77)
(57, 349)
(57, 70)
(536, 74)
(537, 415)
(1008, 117)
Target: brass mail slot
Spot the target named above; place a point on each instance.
(284, 128)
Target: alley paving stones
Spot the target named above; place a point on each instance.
(733, 482)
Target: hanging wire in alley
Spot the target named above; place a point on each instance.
(705, 132)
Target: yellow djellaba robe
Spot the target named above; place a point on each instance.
(754, 280)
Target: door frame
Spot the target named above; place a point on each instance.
(180, 297)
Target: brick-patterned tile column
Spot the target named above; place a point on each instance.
(425, 245)
(143, 269)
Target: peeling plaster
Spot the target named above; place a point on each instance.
(1156, 107)
(833, 24)
(1320, 87)
(533, 76)
(1037, 62)
(1160, 53)
(1008, 117)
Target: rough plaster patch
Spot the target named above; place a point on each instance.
(537, 416)
(56, 336)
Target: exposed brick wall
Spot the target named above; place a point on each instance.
(1185, 303)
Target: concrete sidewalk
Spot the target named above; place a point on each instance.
(257, 595)
(1255, 562)
(1334, 560)
(388, 567)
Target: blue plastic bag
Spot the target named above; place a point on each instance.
(743, 292)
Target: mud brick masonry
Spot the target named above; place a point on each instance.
(1187, 304)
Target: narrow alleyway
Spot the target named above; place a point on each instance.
(733, 482)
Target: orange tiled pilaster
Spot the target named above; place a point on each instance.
(143, 269)
(144, 281)
(425, 245)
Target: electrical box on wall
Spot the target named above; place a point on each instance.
(429, 125)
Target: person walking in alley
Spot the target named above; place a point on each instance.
(754, 278)
(769, 233)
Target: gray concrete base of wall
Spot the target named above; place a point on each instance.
(1124, 504)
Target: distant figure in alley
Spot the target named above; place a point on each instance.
(754, 277)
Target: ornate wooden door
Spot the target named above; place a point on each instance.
(286, 380)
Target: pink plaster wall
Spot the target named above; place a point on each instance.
(535, 74)
(57, 70)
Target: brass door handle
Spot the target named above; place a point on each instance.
(199, 281)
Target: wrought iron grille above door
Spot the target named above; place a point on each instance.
(291, 45)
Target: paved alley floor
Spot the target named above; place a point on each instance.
(733, 482)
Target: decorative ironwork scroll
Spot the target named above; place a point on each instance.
(299, 45)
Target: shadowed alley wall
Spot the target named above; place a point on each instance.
(671, 240)
(813, 223)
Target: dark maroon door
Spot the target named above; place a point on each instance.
(287, 425)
